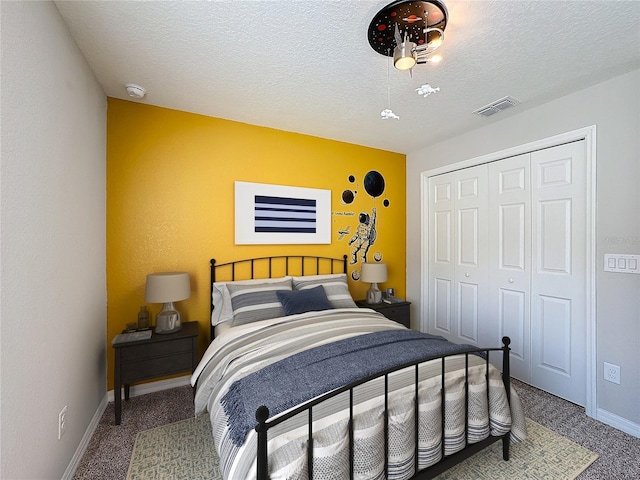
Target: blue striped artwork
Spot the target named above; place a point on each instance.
(281, 214)
(284, 214)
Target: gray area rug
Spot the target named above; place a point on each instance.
(185, 450)
(544, 454)
(181, 450)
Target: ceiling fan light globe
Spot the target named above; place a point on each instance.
(405, 63)
(403, 56)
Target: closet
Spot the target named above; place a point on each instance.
(507, 256)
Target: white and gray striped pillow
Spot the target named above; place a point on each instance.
(335, 286)
(252, 303)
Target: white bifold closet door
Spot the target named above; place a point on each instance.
(510, 258)
(458, 270)
(507, 257)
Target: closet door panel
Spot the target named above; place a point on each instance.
(457, 255)
(470, 309)
(512, 314)
(510, 257)
(441, 248)
(554, 237)
(555, 330)
(512, 243)
(442, 305)
(467, 307)
(444, 238)
(558, 305)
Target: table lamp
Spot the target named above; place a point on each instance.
(166, 288)
(374, 273)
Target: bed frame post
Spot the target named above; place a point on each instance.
(506, 379)
(262, 414)
(213, 280)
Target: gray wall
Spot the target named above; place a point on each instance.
(53, 297)
(614, 107)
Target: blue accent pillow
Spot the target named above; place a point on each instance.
(301, 301)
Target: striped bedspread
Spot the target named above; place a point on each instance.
(248, 348)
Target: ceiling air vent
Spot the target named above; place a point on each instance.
(497, 106)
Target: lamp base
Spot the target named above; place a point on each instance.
(374, 295)
(168, 320)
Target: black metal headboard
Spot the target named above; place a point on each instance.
(268, 266)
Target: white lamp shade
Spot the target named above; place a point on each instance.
(167, 287)
(374, 272)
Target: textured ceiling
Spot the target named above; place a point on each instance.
(307, 67)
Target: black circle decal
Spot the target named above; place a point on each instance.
(374, 183)
(347, 196)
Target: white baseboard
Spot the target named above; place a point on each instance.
(134, 391)
(618, 422)
(84, 442)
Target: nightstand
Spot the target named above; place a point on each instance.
(398, 312)
(159, 356)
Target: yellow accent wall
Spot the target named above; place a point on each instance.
(170, 202)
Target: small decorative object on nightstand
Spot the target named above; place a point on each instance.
(143, 318)
(398, 311)
(374, 273)
(156, 356)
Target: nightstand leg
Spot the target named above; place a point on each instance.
(117, 388)
(126, 391)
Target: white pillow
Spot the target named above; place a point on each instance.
(223, 310)
(335, 286)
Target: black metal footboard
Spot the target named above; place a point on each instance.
(446, 462)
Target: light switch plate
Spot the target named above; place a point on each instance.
(621, 263)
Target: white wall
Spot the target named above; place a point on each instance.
(52, 220)
(614, 107)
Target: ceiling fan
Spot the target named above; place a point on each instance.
(410, 31)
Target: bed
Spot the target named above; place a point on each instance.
(299, 383)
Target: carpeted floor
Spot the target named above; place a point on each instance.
(109, 452)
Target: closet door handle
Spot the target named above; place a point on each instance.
(467, 275)
(511, 280)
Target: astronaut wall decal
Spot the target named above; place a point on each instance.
(364, 237)
(366, 232)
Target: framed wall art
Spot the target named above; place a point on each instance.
(277, 214)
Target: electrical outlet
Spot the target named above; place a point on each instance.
(612, 373)
(62, 422)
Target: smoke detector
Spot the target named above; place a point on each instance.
(135, 91)
(497, 106)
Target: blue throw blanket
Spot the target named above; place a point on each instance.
(303, 376)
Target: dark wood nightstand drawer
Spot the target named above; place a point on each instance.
(155, 350)
(398, 312)
(165, 365)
